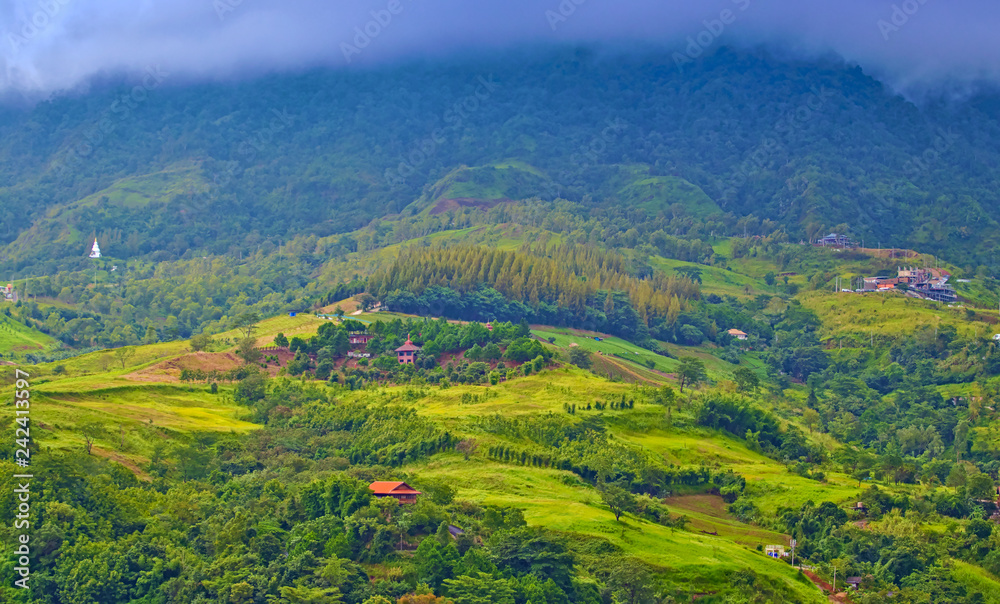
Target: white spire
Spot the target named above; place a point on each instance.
(95, 252)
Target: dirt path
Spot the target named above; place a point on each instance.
(125, 461)
(840, 598)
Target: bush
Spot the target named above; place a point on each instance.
(525, 349)
(201, 342)
(580, 357)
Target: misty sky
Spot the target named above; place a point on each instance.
(53, 44)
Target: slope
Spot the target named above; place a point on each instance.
(325, 152)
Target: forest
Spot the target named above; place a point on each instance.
(345, 136)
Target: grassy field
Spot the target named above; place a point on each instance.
(977, 579)
(129, 419)
(772, 483)
(614, 348)
(136, 407)
(859, 317)
(19, 339)
(695, 561)
(718, 281)
(685, 446)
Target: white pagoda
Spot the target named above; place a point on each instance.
(95, 252)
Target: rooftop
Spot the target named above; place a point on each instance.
(392, 488)
(408, 347)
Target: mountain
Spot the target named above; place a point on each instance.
(204, 169)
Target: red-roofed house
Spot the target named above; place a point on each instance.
(407, 353)
(360, 338)
(400, 491)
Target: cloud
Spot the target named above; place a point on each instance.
(47, 45)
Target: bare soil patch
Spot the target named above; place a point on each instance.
(125, 461)
(170, 370)
(446, 205)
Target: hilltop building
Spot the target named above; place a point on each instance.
(912, 275)
(921, 283)
(400, 491)
(360, 339)
(835, 240)
(775, 551)
(95, 251)
(407, 353)
(739, 335)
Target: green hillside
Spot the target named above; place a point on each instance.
(17, 339)
(657, 193)
(351, 147)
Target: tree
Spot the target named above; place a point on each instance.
(251, 389)
(90, 433)
(811, 418)
(312, 595)
(980, 486)
(122, 355)
(982, 529)
(631, 582)
(665, 396)
(338, 312)
(961, 438)
(248, 351)
(467, 447)
(247, 323)
(691, 372)
(691, 272)
(281, 341)
(432, 567)
(424, 599)
(580, 357)
(367, 301)
(341, 344)
(618, 500)
(746, 379)
(957, 477)
(201, 342)
(769, 278)
(481, 589)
